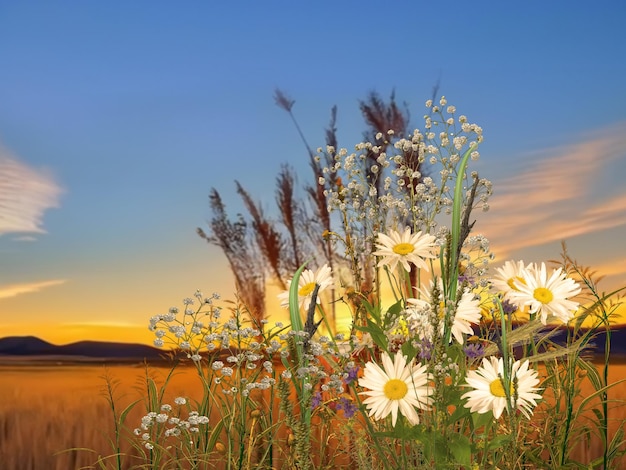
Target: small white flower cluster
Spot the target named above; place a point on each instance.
(237, 357)
(248, 373)
(184, 332)
(162, 425)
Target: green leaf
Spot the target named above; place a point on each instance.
(460, 448)
(294, 307)
(377, 334)
(456, 223)
(459, 413)
(409, 350)
(396, 308)
(498, 441)
(480, 420)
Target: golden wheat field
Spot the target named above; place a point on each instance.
(47, 409)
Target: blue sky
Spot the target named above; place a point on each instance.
(117, 118)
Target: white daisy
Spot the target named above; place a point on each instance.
(405, 248)
(306, 285)
(467, 313)
(489, 394)
(547, 296)
(396, 386)
(508, 276)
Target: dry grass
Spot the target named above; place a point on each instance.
(47, 409)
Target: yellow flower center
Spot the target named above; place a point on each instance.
(543, 295)
(497, 388)
(511, 282)
(306, 289)
(403, 249)
(395, 389)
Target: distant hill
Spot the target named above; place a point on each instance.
(25, 346)
(618, 341)
(597, 345)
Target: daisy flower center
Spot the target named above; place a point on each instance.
(306, 289)
(403, 249)
(497, 388)
(543, 295)
(511, 282)
(395, 389)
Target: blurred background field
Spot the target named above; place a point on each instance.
(47, 409)
(50, 408)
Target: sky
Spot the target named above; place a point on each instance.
(117, 118)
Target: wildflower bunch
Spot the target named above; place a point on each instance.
(444, 364)
(158, 426)
(235, 361)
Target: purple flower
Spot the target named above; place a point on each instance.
(473, 350)
(348, 406)
(426, 349)
(353, 374)
(469, 279)
(316, 400)
(508, 308)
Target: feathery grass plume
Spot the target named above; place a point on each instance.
(234, 240)
(291, 215)
(268, 239)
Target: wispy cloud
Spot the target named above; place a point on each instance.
(13, 290)
(25, 194)
(558, 194)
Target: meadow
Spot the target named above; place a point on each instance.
(47, 409)
(465, 369)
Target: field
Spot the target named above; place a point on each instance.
(46, 409)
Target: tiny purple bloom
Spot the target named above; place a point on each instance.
(508, 308)
(348, 406)
(353, 374)
(473, 350)
(316, 400)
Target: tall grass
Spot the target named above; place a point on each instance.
(45, 410)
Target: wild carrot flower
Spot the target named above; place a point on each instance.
(306, 285)
(489, 394)
(405, 248)
(547, 296)
(396, 386)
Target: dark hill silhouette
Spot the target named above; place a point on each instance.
(33, 346)
(25, 345)
(597, 344)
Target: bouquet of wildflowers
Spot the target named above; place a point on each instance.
(452, 360)
(445, 363)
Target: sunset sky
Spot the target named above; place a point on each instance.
(117, 118)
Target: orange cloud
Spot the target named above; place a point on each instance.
(13, 290)
(557, 194)
(25, 194)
